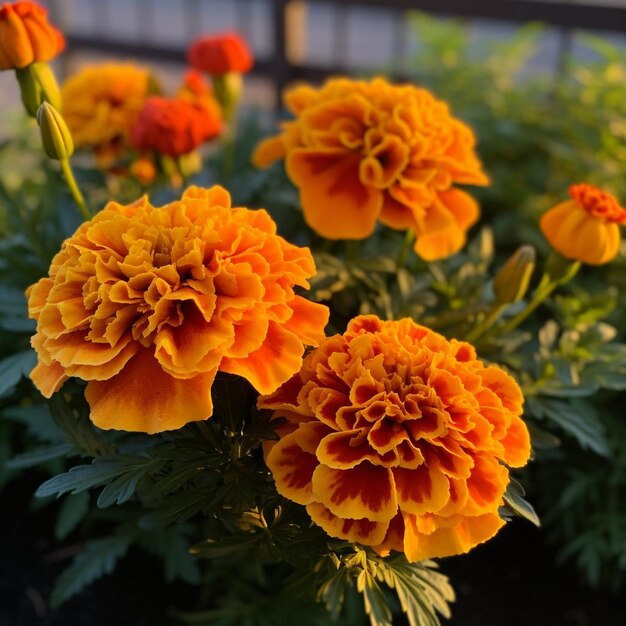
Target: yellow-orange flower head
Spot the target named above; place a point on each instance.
(398, 439)
(366, 151)
(585, 228)
(26, 36)
(147, 304)
(101, 104)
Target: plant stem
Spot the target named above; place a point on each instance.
(353, 247)
(74, 190)
(492, 315)
(409, 237)
(544, 290)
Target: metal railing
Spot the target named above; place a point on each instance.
(286, 63)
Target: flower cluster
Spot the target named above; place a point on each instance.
(398, 439)
(101, 104)
(585, 228)
(362, 152)
(147, 304)
(26, 36)
(220, 54)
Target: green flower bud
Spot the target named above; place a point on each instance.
(38, 84)
(511, 283)
(55, 135)
(227, 89)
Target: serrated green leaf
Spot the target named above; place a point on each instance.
(13, 367)
(38, 420)
(72, 511)
(99, 558)
(514, 499)
(376, 606)
(37, 456)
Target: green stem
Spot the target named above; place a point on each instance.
(74, 190)
(353, 247)
(229, 140)
(492, 315)
(409, 237)
(543, 291)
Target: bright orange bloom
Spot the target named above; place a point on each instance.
(221, 54)
(398, 439)
(101, 104)
(366, 151)
(147, 304)
(26, 36)
(174, 126)
(585, 228)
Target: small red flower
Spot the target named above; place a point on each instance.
(174, 126)
(221, 54)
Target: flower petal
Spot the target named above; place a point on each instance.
(365, 491)
(145, 398)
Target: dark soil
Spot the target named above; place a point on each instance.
(511, 581)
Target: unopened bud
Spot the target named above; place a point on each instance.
(37, 85)
(511, 283)
(55, 135)
(227, 89)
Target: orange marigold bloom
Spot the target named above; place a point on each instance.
(585, 228)
(101, 104)
(221, 54)
(366, 151)
(398, 439)
(147, 304)
(175, 126)
(26, 36)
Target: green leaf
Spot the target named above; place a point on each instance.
(71, 513)
(214, 549)
(376, 606)
(99, 558)
(578, 418)
(514, 500)
(13, 367)
(38, 420)
(38, 456)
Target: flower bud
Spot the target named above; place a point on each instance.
(227, 89)
(38, 84)
(55, 135)
(512, 281)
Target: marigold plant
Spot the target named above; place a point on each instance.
(362, 152)
(585, 228)
(175, 126)
(26, 36)
(221, 54)
(399, 439)
(101, 104)
(147, 304)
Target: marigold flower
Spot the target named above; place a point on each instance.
(26, 36)
(585, 228)
(366, 151)
(101, 104)
(220, 54)
(174, 126)
(398, 439)
(147, 304)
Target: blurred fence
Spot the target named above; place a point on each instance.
(279, 29)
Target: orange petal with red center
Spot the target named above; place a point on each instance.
(421, 490)
(486, 485)
(325, 403)
(363, 530)
(394, 538)
(336, 204)
(344, 450)
(365, 491)
(145, 398)
(272, 364)
(457, 539)
(292, 461)
(516, 444)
